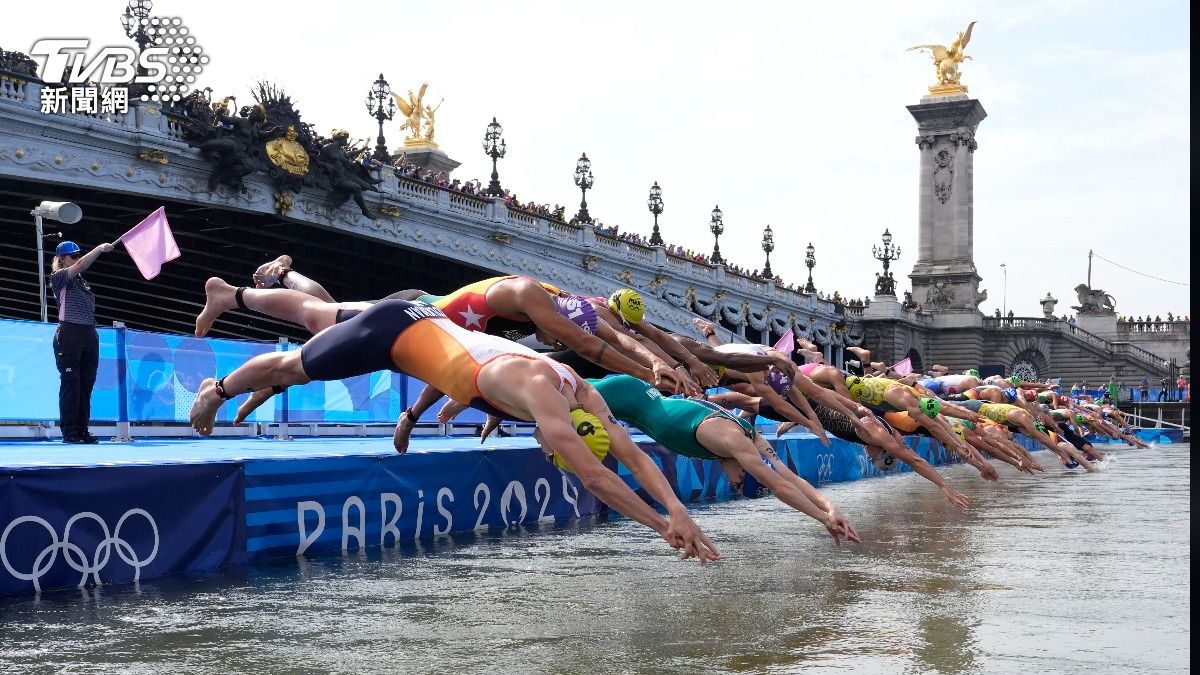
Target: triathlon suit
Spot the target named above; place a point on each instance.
(670, 421)
(949, 384)
(468, 307)
(998, 412)
(808, 368)
(419, 340)
(905, 424)
(933, 384)
(1062, 419)
(874, 392)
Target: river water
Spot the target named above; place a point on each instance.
(1065, 572)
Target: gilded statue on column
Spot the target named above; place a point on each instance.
(419, 117)
(945, 62)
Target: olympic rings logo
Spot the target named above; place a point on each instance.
(824, 467)
(74, 555)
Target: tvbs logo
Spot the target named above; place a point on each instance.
(166, 68)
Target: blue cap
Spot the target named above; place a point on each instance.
(66, 248)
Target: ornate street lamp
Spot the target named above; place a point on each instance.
(885, 284)
(134, 21)
(655, 203)
(584, 181)
(717, 227)
(494, 147)
(768, 245)
(810, 259)
(379, 94)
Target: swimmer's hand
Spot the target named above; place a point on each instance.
(956, 498)
(666, 379)
(839, 526)
(683, 533)
(784, 365)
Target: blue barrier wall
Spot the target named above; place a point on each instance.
(157, 376)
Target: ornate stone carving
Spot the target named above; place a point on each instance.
(939, 295)
(924, 142)
(283, 203)
(943, 174)
(1093, 301)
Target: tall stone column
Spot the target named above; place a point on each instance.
(944, 279)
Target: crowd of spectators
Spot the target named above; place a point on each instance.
(1146, 324)
(402, 167)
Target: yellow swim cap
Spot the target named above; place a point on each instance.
(719, 370)
(591, 432)
(627, 304)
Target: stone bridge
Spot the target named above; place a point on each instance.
(142, 153)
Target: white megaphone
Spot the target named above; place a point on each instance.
(63, 212)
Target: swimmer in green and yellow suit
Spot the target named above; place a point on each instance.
(882, 396)
(707, 431)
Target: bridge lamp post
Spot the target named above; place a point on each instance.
(1004, 302)
(655, 204)
(810, 259)
(63, 212)
(768, 245)
(716, 225)
(379, 93)
(134, 21)
(885, 285)
(494, 147)
(584, 181)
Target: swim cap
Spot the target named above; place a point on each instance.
(1071, 464)
(66, 248)
(959, 431)
(1040, 427)
(974, 372)
(627, 304)
(719, 370)
(778, 381)
(857, 391)
(591, 432)
(931, 406)
(853, 380)
(578, 310)
(1079, 419)
(1016, 380)
(885, 461)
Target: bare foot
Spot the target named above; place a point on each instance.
(404, 427)
(491, 425)
(256, 399)
(267, 274)
(449, 411)
(219, 298)
(203, 415)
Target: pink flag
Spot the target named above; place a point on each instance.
(904, 367)
(150, 243)
(787, 343)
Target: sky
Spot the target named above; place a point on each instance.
(787, 114)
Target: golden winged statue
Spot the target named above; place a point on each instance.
(946, 60)
(416, 116)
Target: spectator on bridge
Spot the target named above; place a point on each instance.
(76, 343)
(1163, 393)
(997, 312)
(1145, 388)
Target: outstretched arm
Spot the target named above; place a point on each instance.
(841, 524)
